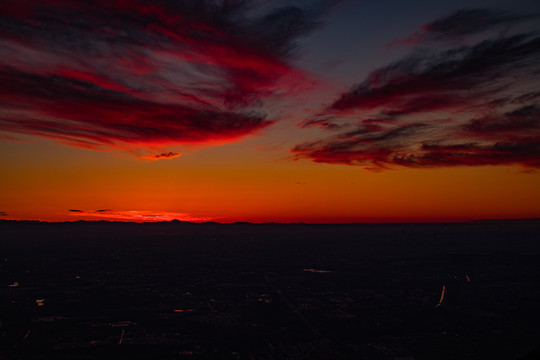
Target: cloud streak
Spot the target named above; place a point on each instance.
(465, 106)
(167, 155)
(461, 24)
(136, 215)
(145, 73)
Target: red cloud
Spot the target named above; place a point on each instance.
(139, 73)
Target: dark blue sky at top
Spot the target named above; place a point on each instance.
(357, 32)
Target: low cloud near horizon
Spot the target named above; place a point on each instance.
(136, 215)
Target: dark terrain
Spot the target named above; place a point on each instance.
(94, 290)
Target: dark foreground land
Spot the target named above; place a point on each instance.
(240, 291)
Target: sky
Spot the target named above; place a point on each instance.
(270, 111)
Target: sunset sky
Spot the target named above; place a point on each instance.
(281, 111)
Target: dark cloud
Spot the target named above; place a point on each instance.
(88, 212)
(463, 23)
(362, 146)
(3, 213)
(474, 154)
(520, 123)
(380, 156)
(133, 73)
(167, 155)
(470, 105)
(446, 80)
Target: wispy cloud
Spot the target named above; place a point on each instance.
(468, 105)
(140, 73)
(167, 155)
(136, 215)
(461, 24)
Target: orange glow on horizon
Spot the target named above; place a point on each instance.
(240, 183)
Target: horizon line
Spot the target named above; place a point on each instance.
(175, 221)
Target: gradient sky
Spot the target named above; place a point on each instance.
(315, 111)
